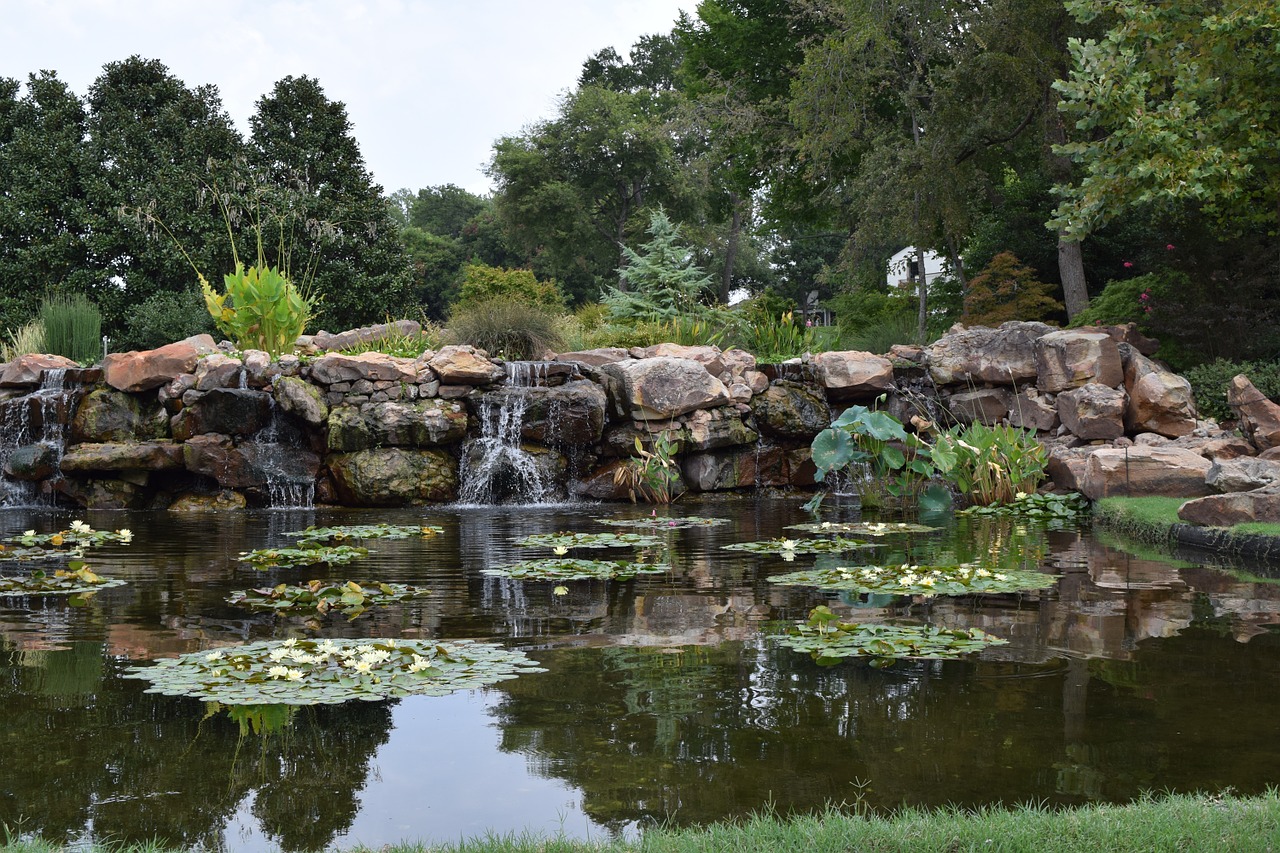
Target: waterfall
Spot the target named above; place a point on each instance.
(36, 425)
(288, 484)
(494, 468)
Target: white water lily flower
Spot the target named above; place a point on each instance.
(125, 534)
(364, 648)
(825, 525)
(375, 658)
(1020, 496)
(982, 573)
(28, 533)
(278, 672)
(81, 527)
(212, 656)
(279, 654)
(419, 664)
(294, 675)
(928, 581)
(291, 642)
(1000, 576)
(788, 544)
(560, 550)
(362, 666)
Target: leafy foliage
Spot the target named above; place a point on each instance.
(1006, 289)
(328, 555)
(653, 474)
(662, 282)
(71, 542)
(864, 528)
(24, 340)
(1209, 383)
(568, 568)
(313, 536)
(503, 326)
(990, 464)
(876, 442)
(77, 578)
(830, 641)
(915, 579)
(164, 318)
(789, 548)
(260, 309)
(481, 282)
(348, 598)
(310, 672)
(1051, 506)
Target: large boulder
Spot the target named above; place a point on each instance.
(230, 411)
(28, 370)
(1259, 417)
(464, 365)
(853, 375)
(217, 370)
(32, 462)
(709, 357)
(329, 342)
(1159, 401)
(142, 371)
(1032, 410)
(987, 406)
(394, 476)
(790, 410)
(1093, 411)
(663, 388)
(1242, 474)
(301, 399)
(248, 465)
(425, 423)
(596, 357)
(1002, 356)
(1257, 505)
(1069, 358)
(566, 416)
(1139, 471)
(367, 366)
(708, 429)
(107, 415)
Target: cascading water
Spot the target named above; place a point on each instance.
(289, 484)
(494, 468)
(34, 425)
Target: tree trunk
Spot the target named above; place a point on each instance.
(957, 264)
(731, 248)
(1075, 289)
(922, 319)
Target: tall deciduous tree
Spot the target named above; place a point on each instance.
(330, 218)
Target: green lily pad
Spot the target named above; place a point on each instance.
(1051, 506)
(863, 528)
(788, 549)
(829, 641)
(328, 555)
(660, 523)
(346, 597)
(77, 578)
(72, 542)
(909, 579)
(567, 568)
(313, 536)
(590, 540)
(313, 672)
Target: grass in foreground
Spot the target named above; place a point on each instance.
(1174, 822)
(1152, 519)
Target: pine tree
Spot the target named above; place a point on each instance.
(662, 280)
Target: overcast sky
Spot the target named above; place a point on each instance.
(428, 84)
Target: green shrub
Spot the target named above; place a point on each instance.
(163, 319)
(72, 327)
(481, 282)
(1209, 384)
(394, 343)
(771, 338)
(261, 309)
(23, 341)
(1121, 301)
(890, 329)
(504, 327)
(1007, 289)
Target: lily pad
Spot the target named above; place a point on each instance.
(72, 542)
(590, 540)
(829, 641)
(328, 555)
(313, 536)
(658, 523)
(76, 578)
(912, 579)
(567, 568)
(346, 597)
(314, 672)
(1050, 506)
(863, 528)
(789, 548)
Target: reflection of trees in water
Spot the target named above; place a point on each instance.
(83, 747)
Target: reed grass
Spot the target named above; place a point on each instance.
(72, 327)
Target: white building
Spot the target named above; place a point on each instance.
(902, 268)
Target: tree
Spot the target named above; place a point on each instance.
(1007, 290)
(158, 146)
(324, 210)
(435, 263)
(662, 281)
(44, 215)
(445, 210)
(1180, 105)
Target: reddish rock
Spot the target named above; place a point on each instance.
(1139, 471)
(142, 371)
(464, 365)
(1032, 410)
(369, 366)
(1070, 358)
(853, 375)
(596, 357)
(1004, 355)
(987, 406)
(29, 369)
(1258, 505)
(1093, 411)
(1159, 401)
(1259, 417)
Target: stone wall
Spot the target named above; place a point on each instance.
(191, 424)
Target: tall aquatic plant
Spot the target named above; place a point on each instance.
(72, 327)
(991, 464)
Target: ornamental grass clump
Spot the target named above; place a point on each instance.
(72, 327)
(504, 326)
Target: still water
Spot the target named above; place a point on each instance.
(664, 698)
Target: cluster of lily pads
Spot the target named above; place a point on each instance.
(72, 542)
(829, 641)
(323, 555)
(568, 568)
(310, 672)
(562, 542)
(1037, 505)
(789, 548)
(316, 536)
(863, 528)
(349, 598)
(654, 522)
(914, 579)
(77, 578)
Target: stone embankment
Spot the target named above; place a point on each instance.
(191, 424)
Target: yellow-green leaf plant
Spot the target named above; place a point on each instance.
(261, 309)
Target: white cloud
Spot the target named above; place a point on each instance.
(428, 84)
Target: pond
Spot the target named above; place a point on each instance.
(666, 697)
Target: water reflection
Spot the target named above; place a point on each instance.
(664, 698)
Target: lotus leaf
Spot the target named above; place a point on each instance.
(314, 536)
(314, 672)
(72, 542)
(863, 528)
(590, 540)
(910, 579)
(789, 548)
(567, 568)
(76, 578)
(346, 597)
(329, 555)
(830, 641)
(657, 523)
